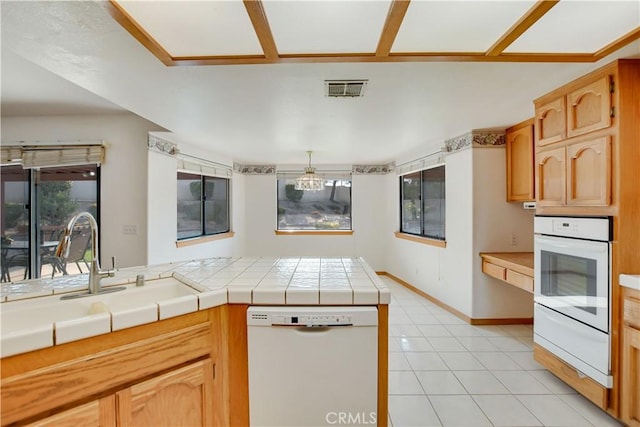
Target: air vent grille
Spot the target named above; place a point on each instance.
(344, 88)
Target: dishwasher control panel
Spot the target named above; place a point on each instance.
(312, 320)
(327, 316)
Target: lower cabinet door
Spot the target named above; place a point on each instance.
(98, 413)
(178, 398)
(631, 377)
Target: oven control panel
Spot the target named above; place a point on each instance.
(589, 228)
(569, 227)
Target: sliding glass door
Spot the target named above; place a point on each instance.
(15, 223)
(49, 197)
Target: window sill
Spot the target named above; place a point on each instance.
(313, 232)
(203, 239)
(423, 240)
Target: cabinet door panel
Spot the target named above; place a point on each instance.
(520, 186)
(551, 122)
(178, 398)
(550, 177)
(630, 404)
(99, 413)
(589, 173)
(589, 108)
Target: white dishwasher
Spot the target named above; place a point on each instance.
(312, 366)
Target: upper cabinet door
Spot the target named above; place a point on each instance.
(520, 186)
(550, 177)
(551, 122)
(589, 108)
(589, 173)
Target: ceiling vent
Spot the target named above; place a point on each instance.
(344, 88)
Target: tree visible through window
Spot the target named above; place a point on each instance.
(60, 192)
(327, 209)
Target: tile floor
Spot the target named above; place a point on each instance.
(445, 372)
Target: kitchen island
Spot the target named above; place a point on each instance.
(195, 354)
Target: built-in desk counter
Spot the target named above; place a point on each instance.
(515, 268)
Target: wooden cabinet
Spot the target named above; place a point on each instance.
(575, 146)
(630, 393)
(178, 398)
(182, 397)
(98, 413)
(520, 171)
(551, 122)
(578, 174)
(150, 375)
(551, 177)
(598, 156)
(589, 107)
(589, 173)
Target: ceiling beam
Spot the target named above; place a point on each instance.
(262, 28)
(619, 43)
(397, 10)
(536, 12)
(392, 57)
(129, 24)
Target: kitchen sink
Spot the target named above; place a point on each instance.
(35, 312)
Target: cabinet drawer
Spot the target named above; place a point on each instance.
(520, 280)
(632, 312)
(493, 270)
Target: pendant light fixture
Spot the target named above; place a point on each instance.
(309, 181)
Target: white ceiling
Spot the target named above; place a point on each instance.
(70, 57)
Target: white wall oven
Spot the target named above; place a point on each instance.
(572, 291)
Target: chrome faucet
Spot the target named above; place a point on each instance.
(95, 275)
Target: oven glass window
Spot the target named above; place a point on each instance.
(569, 276)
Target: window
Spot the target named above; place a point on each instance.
(422, 203)
(203, 205)
(37, 204)
(327, 209)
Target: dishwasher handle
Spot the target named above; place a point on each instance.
(312, 327)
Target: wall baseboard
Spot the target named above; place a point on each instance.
(471, 321)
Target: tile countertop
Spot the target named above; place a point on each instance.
(631, 281)
(256, 281)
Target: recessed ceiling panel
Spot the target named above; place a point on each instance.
(456, 26)
(579, 27)
(326, 26)
(197, 28)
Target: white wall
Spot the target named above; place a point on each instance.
(162, 217)
(369, 215)
(123, 174)
(478, 219)
(494, 222)
(444, 273)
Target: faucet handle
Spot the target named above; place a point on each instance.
(113, 263)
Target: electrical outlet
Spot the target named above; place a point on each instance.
(130, 229)
(514, 239)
